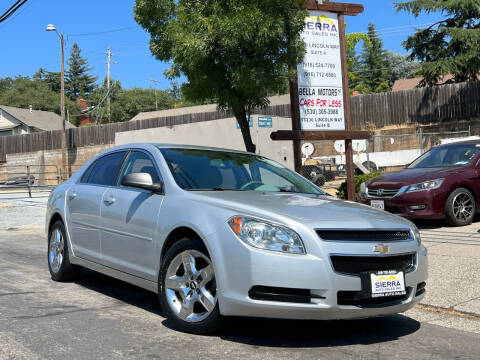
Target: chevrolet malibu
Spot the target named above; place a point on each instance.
(221, 233)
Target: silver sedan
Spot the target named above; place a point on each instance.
(226, 233)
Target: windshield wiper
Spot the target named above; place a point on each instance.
(288, 190)
(216, 188)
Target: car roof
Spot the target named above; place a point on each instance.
(464, 142)
(177, 146)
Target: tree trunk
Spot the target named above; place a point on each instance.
(242, 120)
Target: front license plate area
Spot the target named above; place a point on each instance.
(377, 204)
(387, 283)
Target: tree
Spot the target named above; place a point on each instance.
(353, 60)
(78, 83)
(235, 51)
(24, 92)
(125, 104)
(50, 77)
(401, 67)
(374, 66)
(449, 46)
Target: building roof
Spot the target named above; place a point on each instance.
(41, 120)
(409, 84)
(274, 100)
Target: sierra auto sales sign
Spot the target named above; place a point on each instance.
(320, 91)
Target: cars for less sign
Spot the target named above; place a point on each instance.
(320, 88)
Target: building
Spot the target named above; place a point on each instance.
(198, 109)
(17, 121)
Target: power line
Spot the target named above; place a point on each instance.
(11, 10)
(103, 32)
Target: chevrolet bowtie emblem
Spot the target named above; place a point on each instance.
(382, 249)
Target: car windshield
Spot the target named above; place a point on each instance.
(198, 169)
(447, 156)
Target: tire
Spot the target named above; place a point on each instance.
(58, 256)
(319, 180)
(460, 207)
(197, 289)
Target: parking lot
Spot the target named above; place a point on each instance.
(99, 317)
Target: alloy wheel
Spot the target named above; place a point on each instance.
(55, 250)
(463, 206)
(190, 286)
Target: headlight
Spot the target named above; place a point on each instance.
(363, 188)
(416, 234)
(427, 185)
(267, 236)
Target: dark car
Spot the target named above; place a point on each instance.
(442, 183)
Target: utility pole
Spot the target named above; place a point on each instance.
(51, 27)
(109, 57)
(153, 81)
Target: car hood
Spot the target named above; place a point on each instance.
(310, 210)
(412, 176)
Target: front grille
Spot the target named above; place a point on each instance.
(357, 298)
(382, 193)
(354, 265)
(364, 235)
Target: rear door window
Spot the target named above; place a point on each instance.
(106, 169)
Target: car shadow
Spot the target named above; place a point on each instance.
(431, 224)
(309, 333)
(119, 290)
(266, 332)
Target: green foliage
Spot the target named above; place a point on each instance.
(374, 68)
(125, 104)
(50, 77)
(359, 179)
(401, 67)
(450, 46)
(235, 51)
(353, 60)
(78, 83)
(22, 92)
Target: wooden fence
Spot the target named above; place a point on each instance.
(422, 106)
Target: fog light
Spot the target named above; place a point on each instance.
(418, 207)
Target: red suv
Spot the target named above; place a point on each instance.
(442, 183)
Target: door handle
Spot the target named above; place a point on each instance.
(109, 201)
(72, 195)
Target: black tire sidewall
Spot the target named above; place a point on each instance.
(450, 217)
(207, 326)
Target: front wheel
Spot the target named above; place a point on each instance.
(58, 256)
(187, 288)
(460, 208)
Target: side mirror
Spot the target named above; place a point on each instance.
(141, 181)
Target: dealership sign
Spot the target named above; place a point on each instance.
(320, 91)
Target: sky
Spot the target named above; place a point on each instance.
(98, 24)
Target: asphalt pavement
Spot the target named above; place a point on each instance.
(97, 317)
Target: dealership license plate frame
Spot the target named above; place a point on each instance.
(389, 276)
(377, 204)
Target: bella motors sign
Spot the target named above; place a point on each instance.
(320, 88)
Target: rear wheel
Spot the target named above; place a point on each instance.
(58, 257)
(187, 288)
(460, 208)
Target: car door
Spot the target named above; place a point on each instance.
(83, 205)
(129, 221)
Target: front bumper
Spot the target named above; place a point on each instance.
(402, 203)
(239, 267)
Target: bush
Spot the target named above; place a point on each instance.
(359, 179)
